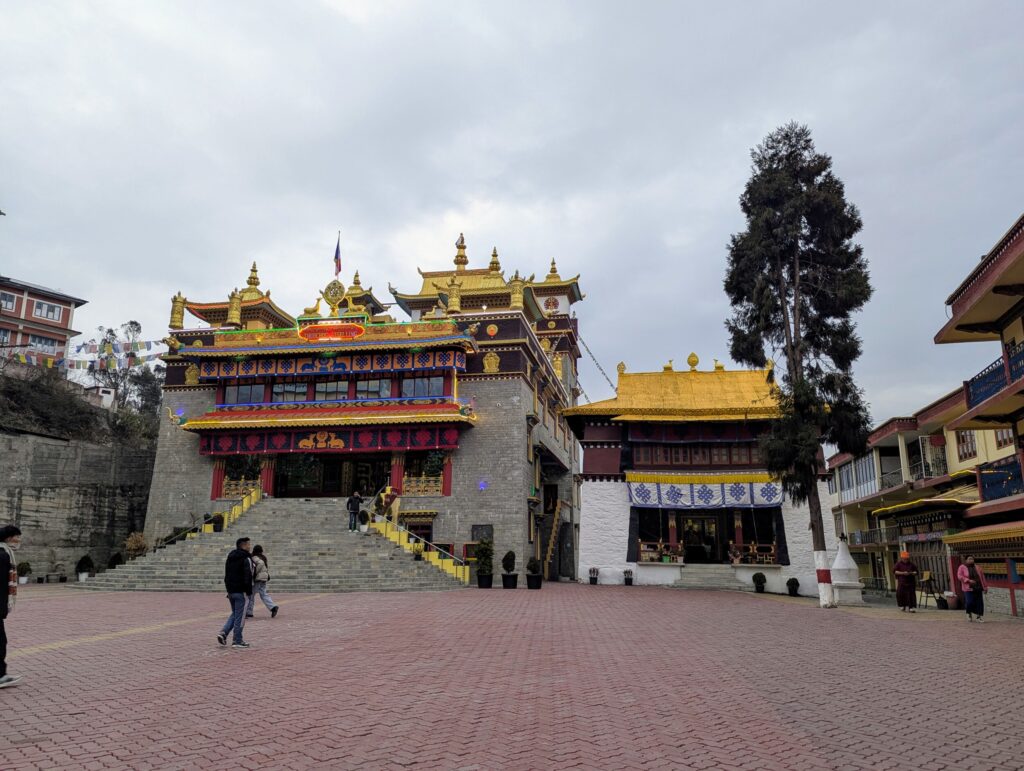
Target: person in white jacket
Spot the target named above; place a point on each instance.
(260, 576)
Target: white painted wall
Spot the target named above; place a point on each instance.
(604, 531)
(801, 553)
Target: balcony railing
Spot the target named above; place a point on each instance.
(891, 479)
(986, 383)
(426, 487)
(1015, 353)
(1000, 479)
(877, 535)
(927, 469)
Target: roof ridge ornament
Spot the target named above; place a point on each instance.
(461, 260)
(252, 290)
(495, 266)
(553, 273)
(693, 361)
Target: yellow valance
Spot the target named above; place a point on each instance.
(649, 477)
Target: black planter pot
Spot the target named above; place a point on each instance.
(759, 588)
(629, 582)
(593, 580)
(794, 592)
(418, 557)
(534, 581)
(509, 580)
(484, 581)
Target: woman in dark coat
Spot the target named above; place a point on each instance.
(906, 583)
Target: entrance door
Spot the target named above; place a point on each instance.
(700, 538)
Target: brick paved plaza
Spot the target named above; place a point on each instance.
(572, 676)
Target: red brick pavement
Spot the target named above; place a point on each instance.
(569, 677)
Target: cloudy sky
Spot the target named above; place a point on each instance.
(147, 148)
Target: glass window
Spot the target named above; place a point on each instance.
(250, 393)
(47, 311)
(740, 454)
(720, 455)
(680, 456)
(289, 392)
(331, 390)
(966, 445)
(699, 456)
(755, 454)
(1004, 437)
(373, 389)
(5, 335)
(642, 456)
(422, 387)
(47, 344)
(7, 301)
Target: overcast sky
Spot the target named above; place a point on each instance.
(147, 148)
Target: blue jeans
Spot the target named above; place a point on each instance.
(352, 520)
(237, 618)
(260, 588)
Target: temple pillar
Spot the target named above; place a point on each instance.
(446, 475)
(268, 465)
(217, 486)
(673, 539)
(738, 525)
(397, 472)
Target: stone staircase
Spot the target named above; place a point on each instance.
(698, 576)
(309, 547)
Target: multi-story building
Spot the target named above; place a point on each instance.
(458, 411)
(910, 489)
(35, 320)
(672, 477)
(988, 306)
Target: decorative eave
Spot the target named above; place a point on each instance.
(454, 341)
(216, 313)
(1009, 531)
(667, 414)
(297, 415)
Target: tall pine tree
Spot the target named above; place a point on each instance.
(794, 279)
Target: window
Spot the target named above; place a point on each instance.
(289, 392)
(414, 387)
(832, 485)
(680, 456)
(720, 455)
(660, 455)
(331, 390)
(373, 389)
(740, 454)
(7, 301)
(5, 336)
(47, 311)
(755, 455)
(699, 456)
(47, 344)
(966, 445)
(1004, 437)
(846, 477)
(642, 456)
(243, 394)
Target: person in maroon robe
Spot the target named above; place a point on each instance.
(906, 583)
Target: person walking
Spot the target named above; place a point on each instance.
(10, 540)
(972, 582)
(260, 576)
(352, 504)
(238, 582)
(906, 583)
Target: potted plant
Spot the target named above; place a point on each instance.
(759, 580)
(417, 552)
(509, 580)
(24, 571)
(594, 573)
(364, 521)
(533, 576)
(218, 523)
(793, 585)
(84, 567)
(484, 563)
(135, 545)
(628, 576)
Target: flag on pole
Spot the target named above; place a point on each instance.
(337, 256)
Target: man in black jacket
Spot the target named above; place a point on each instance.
(10, 539)
(238, 582)
(352, 504)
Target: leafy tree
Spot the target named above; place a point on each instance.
(794, 279)
(118, 380)
(146, 388)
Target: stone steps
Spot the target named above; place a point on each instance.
(309, 546)
(696, 576)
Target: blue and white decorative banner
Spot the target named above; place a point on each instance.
(674, 492)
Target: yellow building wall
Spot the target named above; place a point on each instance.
(1015, 331)
(987, 451)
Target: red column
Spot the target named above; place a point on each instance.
(446, 476)
(397, 472)
(673, 538)
(268, 463)
(738, 522)
(217, 488)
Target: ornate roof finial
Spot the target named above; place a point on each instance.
(252, 291)
(254, 277)
(719, 367)
(693, 361)
(621, 367)
(355, 282)
(495, 266)
(461, 260)
(553, 273)
(668, 367)
(234, 317)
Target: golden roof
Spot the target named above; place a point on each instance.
(693, 395)
(314, 414)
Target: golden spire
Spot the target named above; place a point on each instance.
(553, 273)
(668, 367)
(177, 311)
(495, 266)
(235, 309)
(693, 361)
(516, 285)
(252, 291)
(355, 284)
(461, 260)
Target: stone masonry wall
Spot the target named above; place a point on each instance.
(182, 478)
(71, 498)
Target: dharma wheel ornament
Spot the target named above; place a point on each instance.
(693, 361)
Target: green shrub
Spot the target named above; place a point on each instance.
(485, 557)
(508, 562)
(24, 569)
(533, 566)
(759, 579)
